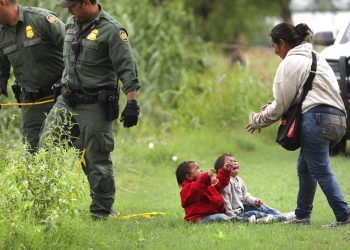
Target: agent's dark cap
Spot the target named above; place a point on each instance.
(66, 3)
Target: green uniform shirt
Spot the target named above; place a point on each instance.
(100, 56)
(33, 48)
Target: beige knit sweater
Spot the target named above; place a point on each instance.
(288, 84)
(235, 196)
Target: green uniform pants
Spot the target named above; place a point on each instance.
(96, 137)
(33, 118)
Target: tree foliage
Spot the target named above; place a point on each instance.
(324, 5)
(161, 34)
(227, 20)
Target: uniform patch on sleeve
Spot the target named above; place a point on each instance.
(52, 19)
(123, 35)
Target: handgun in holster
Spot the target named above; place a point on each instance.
(108, 100)
(17, 89)
(69, 97)
(57, 89)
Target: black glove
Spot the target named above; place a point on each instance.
(130, 114)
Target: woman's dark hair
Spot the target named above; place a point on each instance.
(182, 170)
(91, 1)
(293, 36)
(219, 163)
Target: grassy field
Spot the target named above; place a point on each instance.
(178, 128)
(145, 182)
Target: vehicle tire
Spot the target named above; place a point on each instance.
(340, 148)
(343, 63)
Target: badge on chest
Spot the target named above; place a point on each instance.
(29, 32)
(93, 35)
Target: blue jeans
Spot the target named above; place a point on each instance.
(322, 127)
(261, 211)
(214, 218)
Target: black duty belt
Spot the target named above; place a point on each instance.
(85, 99)
(74, 97)
(34, 96)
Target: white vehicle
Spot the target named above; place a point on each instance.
(337, 55)
(338, 47)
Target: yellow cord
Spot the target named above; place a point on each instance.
(25, 103)
(76, 171)
(79, 164)
(148, 215)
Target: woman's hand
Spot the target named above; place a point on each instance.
(251, 129)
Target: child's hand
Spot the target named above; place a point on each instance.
(259, 202)
(214, 181)
(228, 165)
(211, 172)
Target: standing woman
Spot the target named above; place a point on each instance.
(323, 120)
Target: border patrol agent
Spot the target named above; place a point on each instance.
(97, 54)
(31, 41)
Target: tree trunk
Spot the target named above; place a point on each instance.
(286, 13)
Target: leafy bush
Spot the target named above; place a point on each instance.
(41, 186)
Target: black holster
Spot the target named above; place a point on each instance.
(17, 89)
(68, 96)
(108, 100)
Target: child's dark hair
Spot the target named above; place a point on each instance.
(292, 35)
(182, 170)
(219, 163)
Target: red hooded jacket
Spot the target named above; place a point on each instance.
(199, 198)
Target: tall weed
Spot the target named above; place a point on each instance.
(41, 186)
(10, 118)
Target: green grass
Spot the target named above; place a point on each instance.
(145, 182)
(199, 129)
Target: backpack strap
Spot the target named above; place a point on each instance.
(308, 84)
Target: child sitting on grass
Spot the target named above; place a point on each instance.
(239, 203)
(199, 194)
